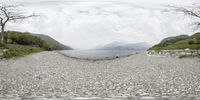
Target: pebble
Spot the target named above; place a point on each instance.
(137, 75)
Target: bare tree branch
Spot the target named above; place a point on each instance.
(192, 11)
(10, 13)
(1, 20)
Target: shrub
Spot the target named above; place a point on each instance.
(191, 42)
(183, 56)
(1, 45)
(12, 37)
(14, 50)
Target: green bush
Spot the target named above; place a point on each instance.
(191, 42)
(14, 50)
(12, 37)
(183, 56)
(17, 44)
(197, 37)
(1, 45)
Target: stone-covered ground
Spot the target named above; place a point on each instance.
(52, 75)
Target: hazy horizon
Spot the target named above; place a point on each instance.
(85, 24)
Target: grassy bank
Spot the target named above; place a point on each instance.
(18, 44)
(192, 42)
(16, 50)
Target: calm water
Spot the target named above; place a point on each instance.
(98, 54)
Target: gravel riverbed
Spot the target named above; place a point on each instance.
(52, 75)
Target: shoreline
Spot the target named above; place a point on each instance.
(175, 53)
(50, 74)
(88, 59)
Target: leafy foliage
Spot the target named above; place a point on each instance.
(192, 42)
(55, 44)
(171, 40)
(15, 50)
(17, 44)
(196, 36)
(12, 37)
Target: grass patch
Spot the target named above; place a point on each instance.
(15, 50)
(19, 44)
(2, 45)
(183, 56)
(192, 42)
(12, 37)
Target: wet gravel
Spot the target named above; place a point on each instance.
(52, 75)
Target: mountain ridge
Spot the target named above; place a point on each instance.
(179, 42)
(56, 45)
(116, 45)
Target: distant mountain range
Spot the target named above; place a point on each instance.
(56, 45)
(124, 46)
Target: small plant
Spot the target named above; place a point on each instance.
(182, 56)
(12, 37)
(191, 42)
(14, 50)
(1, 46)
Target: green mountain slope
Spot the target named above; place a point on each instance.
(13, 37)
(17, 50)
(56, 45)
(172, 43)
(18, 44)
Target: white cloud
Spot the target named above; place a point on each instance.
(85, 25)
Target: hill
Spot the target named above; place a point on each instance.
(124, 46)
(20, 38)
(18, 44)
(171, 40)
(56, 45)
(179, 42)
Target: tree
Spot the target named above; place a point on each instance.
(10, 13)
(191, 11)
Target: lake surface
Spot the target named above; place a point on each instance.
(98, 54)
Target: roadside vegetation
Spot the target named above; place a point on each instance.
(183, 41)
(15, 50)
(192, 42)
(13, 37)
(14, 44)
(17, 44)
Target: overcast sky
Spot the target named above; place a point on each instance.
(85, 24)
